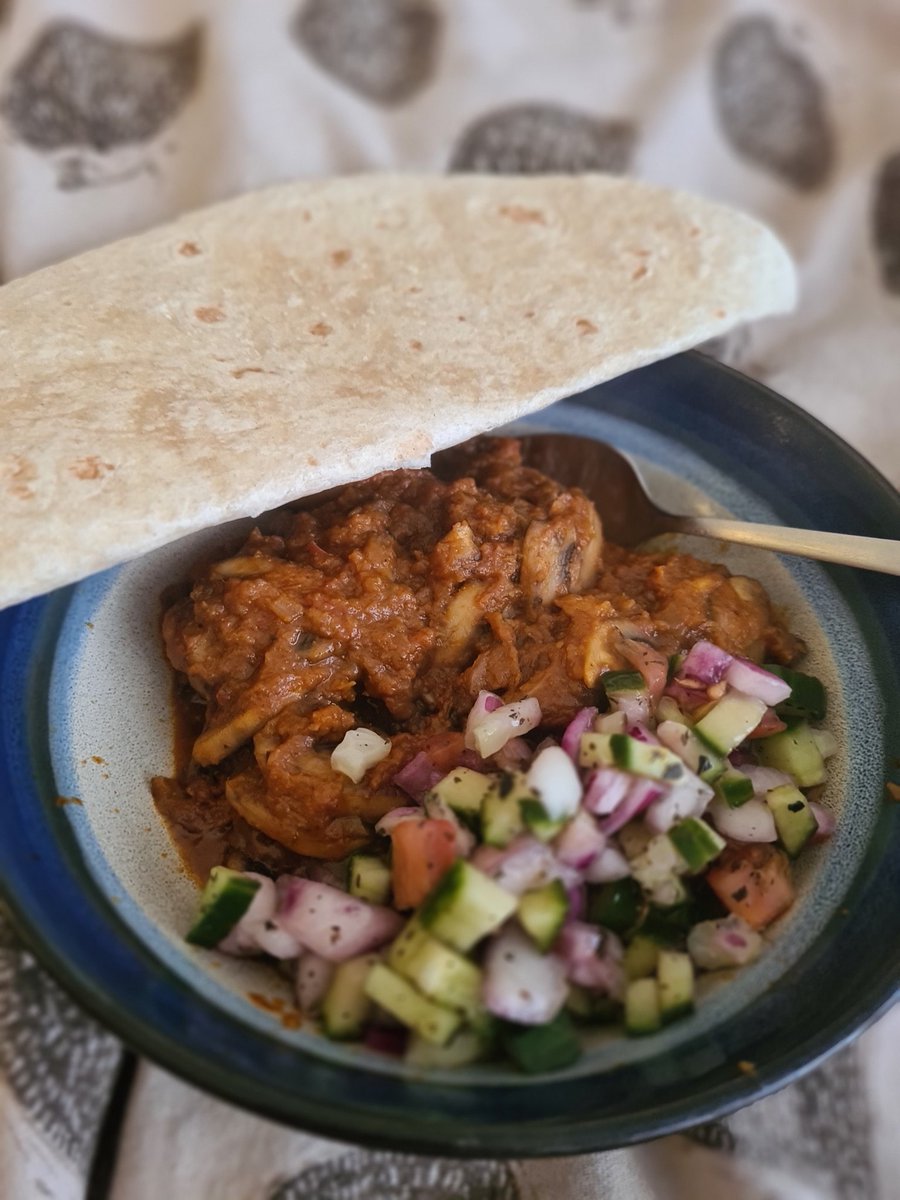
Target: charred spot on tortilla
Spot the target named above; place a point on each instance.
(530, 139)
(384, 50)
(78, 87)
(209, 314)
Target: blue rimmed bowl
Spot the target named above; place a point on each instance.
(96, 887)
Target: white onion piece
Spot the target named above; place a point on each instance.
(311, 981)
(397, 816)
(688, 799)
(824, 819)
(752, 822)
(580, 841)
(359, 750)
(728, 942)
(826, 742)
(440, 810)
(525, 864)
(555, 779)
(520, 983)
(752, 680)
(485, 703)
(764, 779)
(493, 730)
(331, 923)
(609, 865)
(681, 740)
(605, 789)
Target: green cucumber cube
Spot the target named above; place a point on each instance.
(223, 901)
(539, 1048)
(734, 788)
(641, 957)
(655, 762)
(808, 697)
(623, 683)
(642, 1007)
(696, 842)
(370, 878)
(617, 906)
(794, 819)
(432, 1021)
(465, 907)
(542, 913)
(538, 821)
(594, 750)
(796, 752)
(466, 1046)
(675, 978)
(463, 790)
(727, 724)
(346, 1008)
(437, 971)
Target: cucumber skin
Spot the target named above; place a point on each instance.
(536, 1049)
(227, 896)
(370, 879)
(542, 913)
(796, 826)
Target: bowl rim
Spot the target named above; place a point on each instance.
(511, 1139)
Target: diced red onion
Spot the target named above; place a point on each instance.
(751, 679)
(331, 923)
(580, 841)
(764, 779)
(523, 865)
(241, 940)
(555, 779)
(277, 942)
(441, 811)
(418, 776)
(514, 756)
(488, 858)
(653, 665)
(706, 663)
(824, 819)
(397, 816)
(635, 707)
(751, 822)
(641, 794)
(589, 959)
(610, 865)
(312, 980)
(688, 698)
(688, 799)
(491, 731)
(520, 983)
(605, 790)
(641, 733)
(727, 942)
(577, 901)
(387, 1039)
(582, 722)
(577, 941)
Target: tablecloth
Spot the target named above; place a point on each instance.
(116, 116)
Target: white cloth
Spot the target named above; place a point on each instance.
(118, 116)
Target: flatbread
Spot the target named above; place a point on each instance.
(302, 337)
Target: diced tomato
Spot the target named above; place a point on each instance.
(770, 723)
(753, 882)
(423, 850)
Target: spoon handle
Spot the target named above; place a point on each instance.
(873, 554)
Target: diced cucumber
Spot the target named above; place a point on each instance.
(668, 925)
(641, 957)
(537, 820)
(617, 906)
(729, 722)
(594, 750)
(795, 752)
(539, 1048)
(734, 787)
(696, 842)
(463, 790)
(590, 1007)
(655, 762)
(622, 683)
(634, 838)
(437, 971)
(466, 1046)
(675, 977)
(370, 878)
(223, 901)
(432, 1021)
(347, 1008)
(808, 697)
(794, 819)
(466, 906)
(642, 1009)
(501, 814)
(668, 709)
(542, 913)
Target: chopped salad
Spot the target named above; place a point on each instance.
(543, 885)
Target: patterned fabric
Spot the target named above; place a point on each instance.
(117, 116)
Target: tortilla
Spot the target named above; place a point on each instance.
(303, 337)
